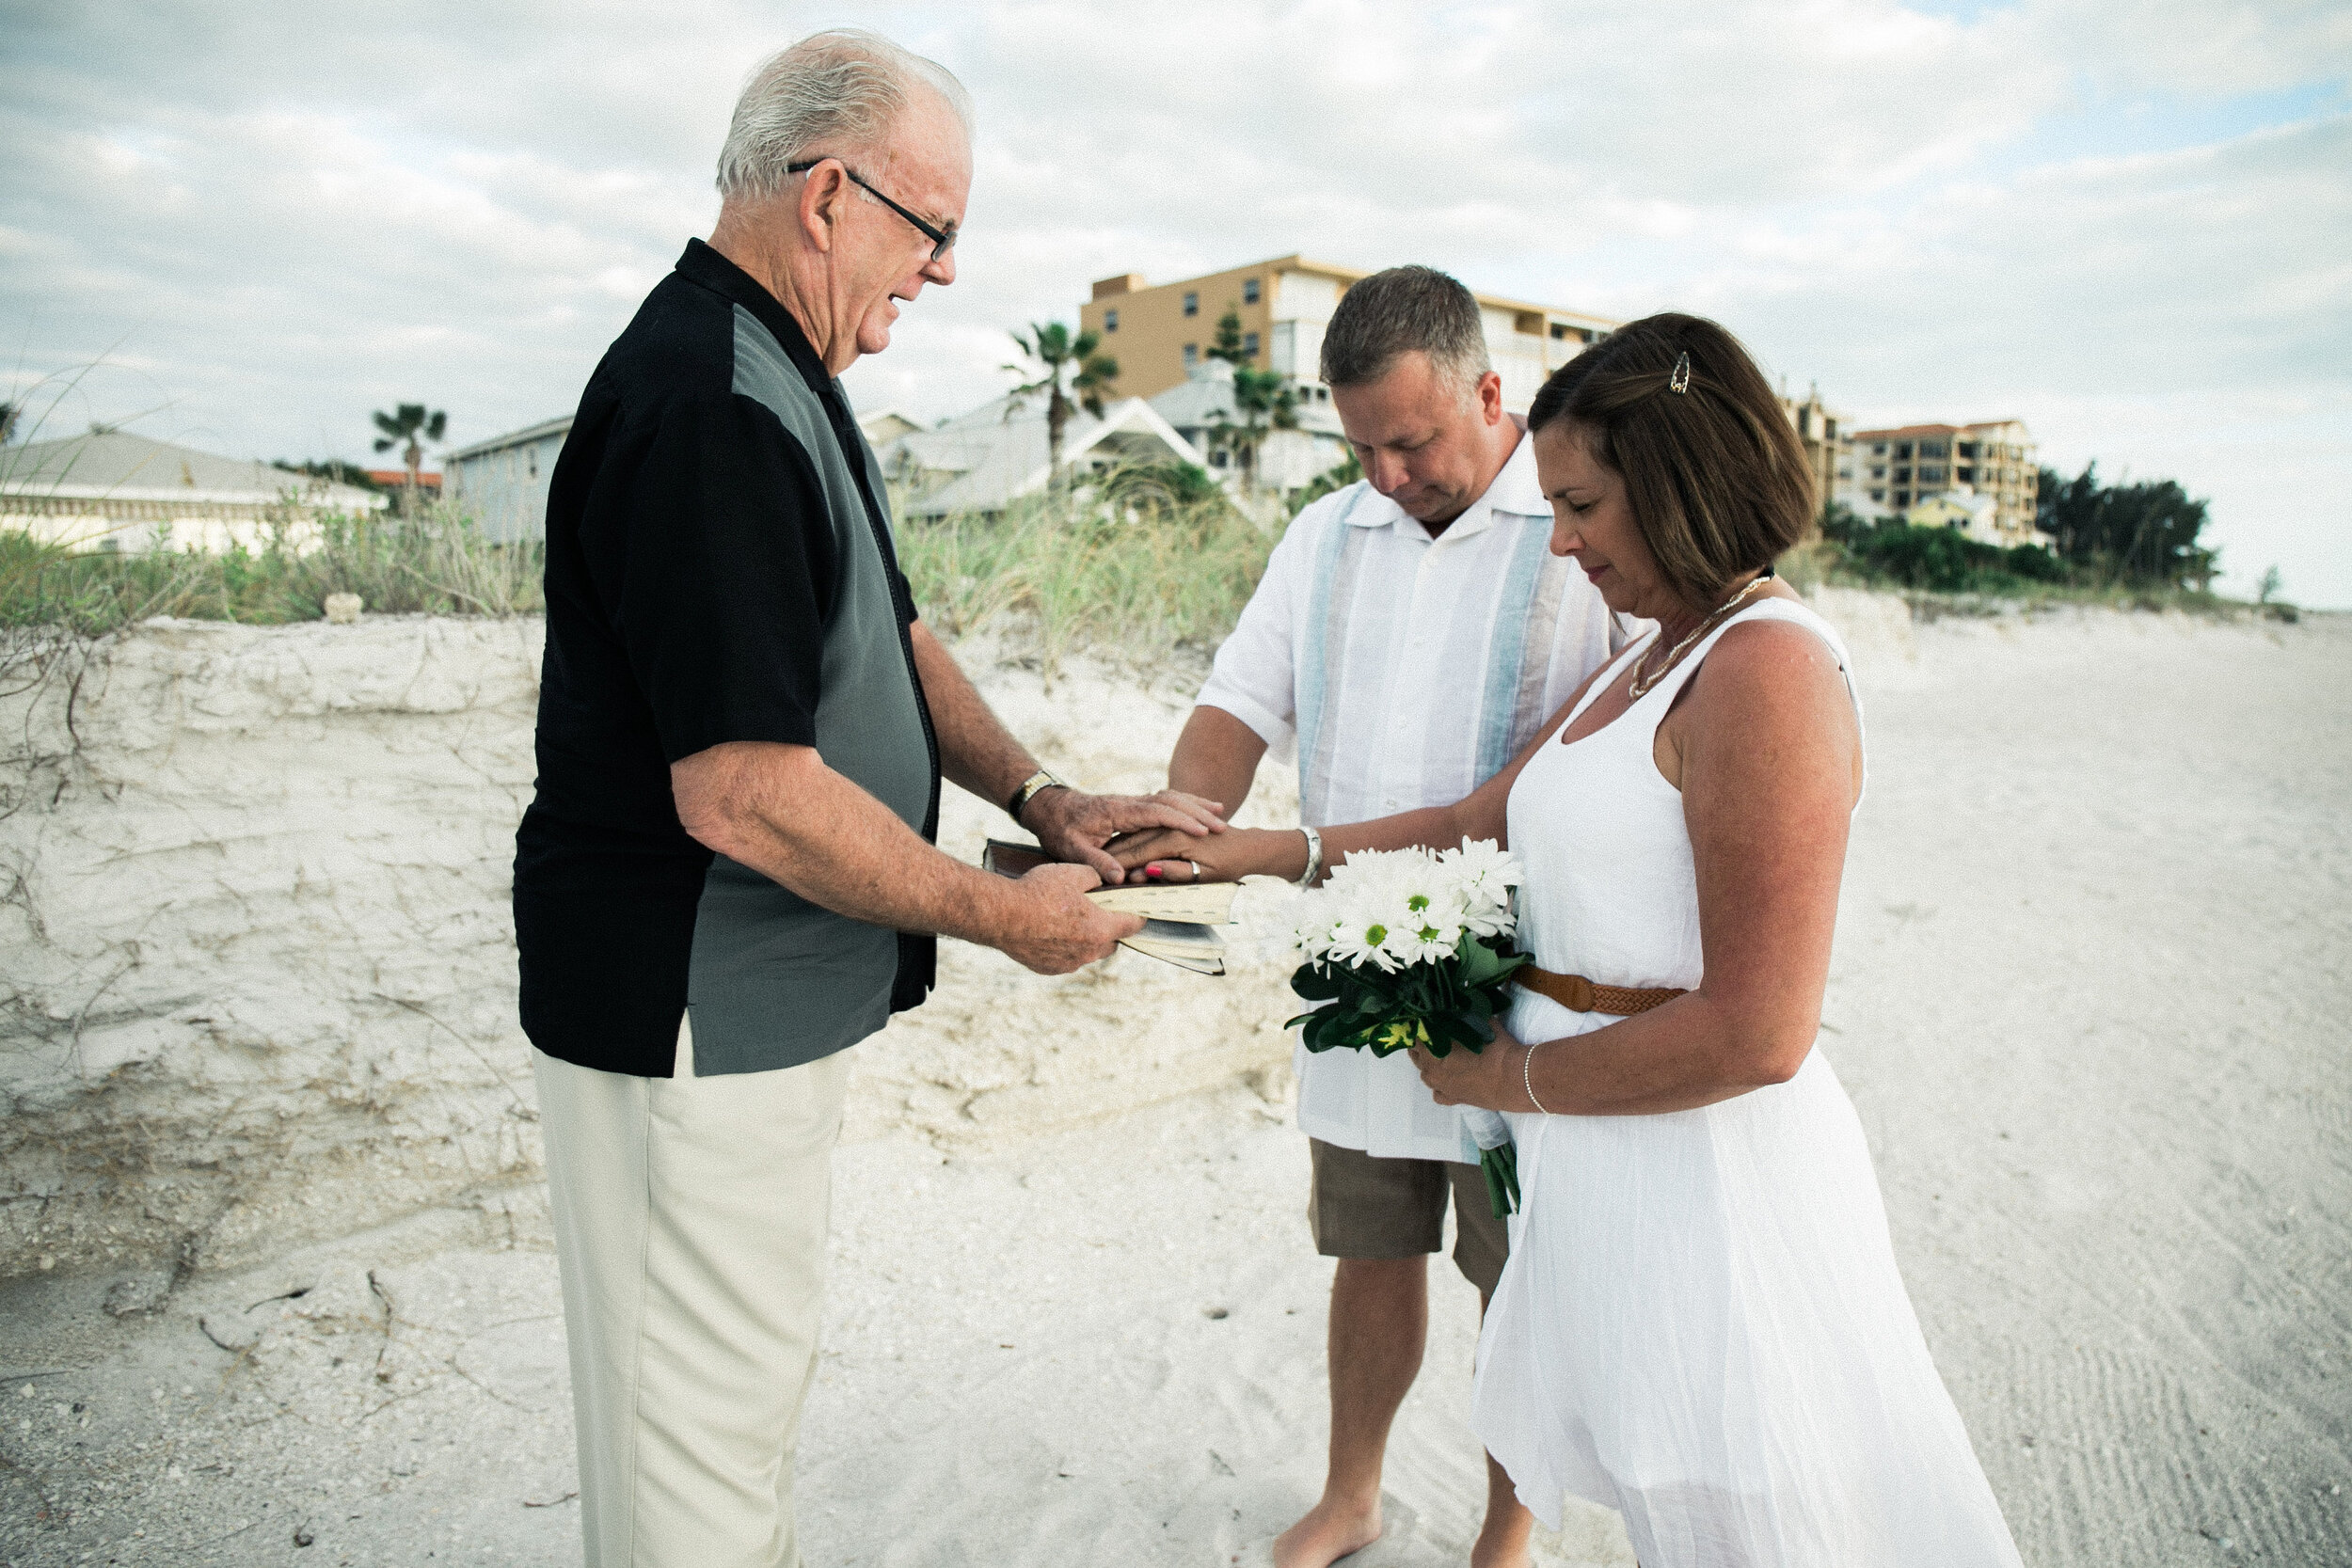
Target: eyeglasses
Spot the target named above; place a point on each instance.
(942, 240)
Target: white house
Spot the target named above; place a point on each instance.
(996, 453)
(1977, 515)
(503, 483)
(111, 490)
(1289, 458)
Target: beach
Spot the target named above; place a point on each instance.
(2089, 996)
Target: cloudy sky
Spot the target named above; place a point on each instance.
(2129, 224)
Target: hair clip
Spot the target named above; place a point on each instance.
(1680, 380)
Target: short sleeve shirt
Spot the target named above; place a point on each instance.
(711, 567)
(1407, 670)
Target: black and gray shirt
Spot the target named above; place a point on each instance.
(720, 568)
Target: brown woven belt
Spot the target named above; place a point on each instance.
(1580, 995)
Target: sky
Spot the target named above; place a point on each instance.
(247, 226)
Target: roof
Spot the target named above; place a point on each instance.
(995, 454)
(1975, 505)
(1206, 393)
(425, 478)
(1898, 433)
(562, 425)
(115, 465)
(528, 435)
(1295, 262)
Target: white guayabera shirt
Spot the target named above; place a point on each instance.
(1407, 671)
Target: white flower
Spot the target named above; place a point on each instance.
(1393, 909)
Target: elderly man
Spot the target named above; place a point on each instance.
(1411, 633)
(727, 877)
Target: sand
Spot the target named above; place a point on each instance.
(2089, 996)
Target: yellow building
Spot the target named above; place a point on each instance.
(1157, 333)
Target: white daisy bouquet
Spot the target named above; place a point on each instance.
(1408, 947)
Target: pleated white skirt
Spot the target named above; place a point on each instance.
(1702, 1325)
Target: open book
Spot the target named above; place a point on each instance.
(1181, 924)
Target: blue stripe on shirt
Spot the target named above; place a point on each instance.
(1500, 704)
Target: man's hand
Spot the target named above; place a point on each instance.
(1054, 928)
(1074, 826)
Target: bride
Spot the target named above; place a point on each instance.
(1702, 1324)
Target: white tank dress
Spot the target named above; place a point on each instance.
(1702, 1324)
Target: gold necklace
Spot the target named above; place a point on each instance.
(1641, 687)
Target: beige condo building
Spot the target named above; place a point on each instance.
(1887, 472)
(1159, 332)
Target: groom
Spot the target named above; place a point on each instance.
(1411, 633)
(726, 877)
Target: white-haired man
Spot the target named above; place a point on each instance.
(726, 876)
(1411, 633)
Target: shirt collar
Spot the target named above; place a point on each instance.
(1516, 491)
(701, 264)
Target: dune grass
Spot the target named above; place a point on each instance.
(1127, 570)
(1135, 563)
(436, 562)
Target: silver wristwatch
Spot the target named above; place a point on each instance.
(1315, 856)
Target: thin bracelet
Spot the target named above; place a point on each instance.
(1527, 1078)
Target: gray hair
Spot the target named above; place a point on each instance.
(842, 90)
(1398, 311)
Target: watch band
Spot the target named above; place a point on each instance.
(1030, 788)
(1315, 856)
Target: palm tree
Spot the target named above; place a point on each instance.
(1266, 402)
(1052, 348)
(415, 426)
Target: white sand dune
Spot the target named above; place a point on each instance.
(2090, 997)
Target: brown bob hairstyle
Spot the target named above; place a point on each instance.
(1715, 475)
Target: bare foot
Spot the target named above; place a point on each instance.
(1502, 1540)
(1330, 1530)
(1500, 1548)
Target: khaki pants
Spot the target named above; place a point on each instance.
(690, 1216)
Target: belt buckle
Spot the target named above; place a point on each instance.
(1579, 993)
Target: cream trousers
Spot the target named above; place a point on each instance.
(690, 1216)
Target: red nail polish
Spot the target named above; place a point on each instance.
(1154, 872)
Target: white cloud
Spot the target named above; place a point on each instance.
(286, 218)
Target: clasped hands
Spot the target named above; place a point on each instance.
(1072, 825)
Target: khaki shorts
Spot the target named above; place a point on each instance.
(1362, 1205)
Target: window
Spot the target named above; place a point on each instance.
(1903, 498)
(1879, 496)
(1902, 476)
(1902, 452)
(1192, 302)
(1878, 471)
(1192, 354)
(1249, 291)
(1934, 449)
(1965, 475)
(1216, 457)
(1967, 449)
(1110, 320)
(1932, 473)
(1250, 344)
(1878, 448)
